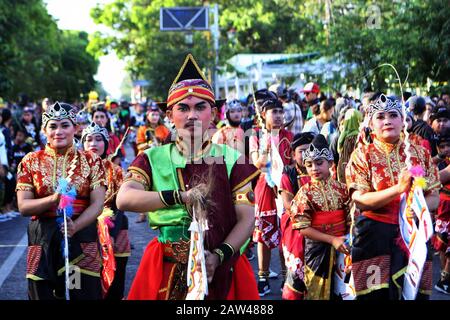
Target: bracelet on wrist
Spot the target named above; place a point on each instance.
(225, 251)
(178, 197)
(220, 254)
(170, 197)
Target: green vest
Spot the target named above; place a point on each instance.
(173, 222)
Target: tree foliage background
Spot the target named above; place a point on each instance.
(38, 59)
(410, 34)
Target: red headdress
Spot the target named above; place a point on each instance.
(190, 81)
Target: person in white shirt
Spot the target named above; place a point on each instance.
(321, 116)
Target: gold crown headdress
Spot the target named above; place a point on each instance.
(94, 128)
(384, 104)
(318, 150)
(59, 111)
(313, 153)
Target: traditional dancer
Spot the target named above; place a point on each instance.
(154, 132)
(292, 241)
(320, 210)
(168, 179)
(38, 177)
(271, 135)
(232, 134)
(376, 177)
(95, 139)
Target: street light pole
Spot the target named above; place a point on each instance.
(216, 33)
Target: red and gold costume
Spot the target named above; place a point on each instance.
(113, 144)
(39, 173)
(267, 228)
(292, 241)
(114, 175)
(441, 241)
(322, 205)
(375, 167)
(119, 231)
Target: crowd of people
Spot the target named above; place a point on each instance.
(300, 171)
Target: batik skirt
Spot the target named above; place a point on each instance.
(267, 230)
(379, 262)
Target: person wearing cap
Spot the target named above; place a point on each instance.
(293, 178)
(113, 110)
(152, 134)
(311, 91)
(270, 135)
(376, 176)
(417, 105)
(231, 134)
(293, 118)
(320, 212)
(95, 139)
(137, 119)
(168, 180)
(38, 178)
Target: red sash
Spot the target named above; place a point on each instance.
(330, 222)
(387, 214)
(151, 276)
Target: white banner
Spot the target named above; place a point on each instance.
(415, 239)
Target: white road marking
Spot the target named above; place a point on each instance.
(12, 245)
(9, 264)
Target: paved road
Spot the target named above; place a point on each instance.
(13, 285)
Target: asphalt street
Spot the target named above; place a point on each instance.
(13, 241)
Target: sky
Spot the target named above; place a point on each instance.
(75, 15)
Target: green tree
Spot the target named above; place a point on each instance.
(261, 26)
(411, 35)
(153, 55)
(75, 76)
(28, 47)
(38, 59)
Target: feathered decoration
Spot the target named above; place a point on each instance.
(65, 210)
(417, 171)
(197, 278)
(108, 260)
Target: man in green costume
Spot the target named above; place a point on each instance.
(165, 180)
